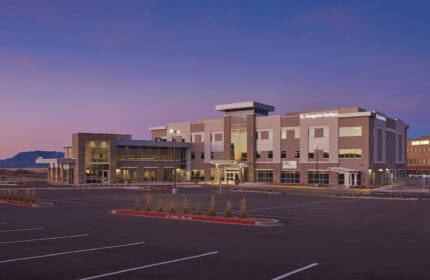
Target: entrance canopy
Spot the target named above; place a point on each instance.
(227, 163)
(343, 170)
(351, 175)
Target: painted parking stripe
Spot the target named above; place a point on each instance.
(294, 272)
(43, 239)
(148, 266)
(21, 229)
(71, 252)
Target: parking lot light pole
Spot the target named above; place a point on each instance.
(174, 132)
(316, 154)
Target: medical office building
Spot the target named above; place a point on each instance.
(345, 146)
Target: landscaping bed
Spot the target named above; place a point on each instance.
(25, 204)
(201, 218)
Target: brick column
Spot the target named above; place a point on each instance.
(251, 147)
(227, 137)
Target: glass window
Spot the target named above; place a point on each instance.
(350, 153)
(212, 155)
(96, 173)
(321, 177)
(311, 154)
(97, 152)
(257, 154)
(265, 176)
(290, 177)
(198, 174)
(149, 174)
(283, 134)
(270, 155)
(296, 154)
(326, 154)
(350, 131)
(297, 133)
(193, 155)
(283, 154)
(202, 155)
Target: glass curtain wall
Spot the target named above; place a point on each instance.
(97, 162)
(239, 139)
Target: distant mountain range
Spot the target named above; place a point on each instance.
(28, 159)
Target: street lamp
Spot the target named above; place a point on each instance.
(174, 132)
(316, 154)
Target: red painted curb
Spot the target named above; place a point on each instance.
(18, 203)
(185, 217)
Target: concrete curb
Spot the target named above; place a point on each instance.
(189, 217)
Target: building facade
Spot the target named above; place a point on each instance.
(345, 146)
(112, 158)
(419, 156)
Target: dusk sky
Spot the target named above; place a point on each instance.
(123, 66)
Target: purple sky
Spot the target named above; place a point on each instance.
(123, 66)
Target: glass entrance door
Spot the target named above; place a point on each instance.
(232, 176)
(105, 177)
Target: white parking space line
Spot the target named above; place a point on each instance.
(71, 252)
(294, 272)
(21, 229)
(148, 266)
(43, 239)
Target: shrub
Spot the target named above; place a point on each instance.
(33, 196)
(27, 195)
(243, 208)
(160, 205)
(198, 210)
(186, 206)
(228, 213)
(137, 204)
(172, 209)
(148, 200)
(211, 211)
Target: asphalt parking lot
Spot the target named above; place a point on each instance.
(323, 237)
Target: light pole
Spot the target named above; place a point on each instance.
(316, 154)
(173, 131)
(126, 164)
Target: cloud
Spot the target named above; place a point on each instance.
(341, 21)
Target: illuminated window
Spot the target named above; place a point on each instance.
(326, 154)
(350, 131)
(350, 153)
(420, 142)
(283, 134)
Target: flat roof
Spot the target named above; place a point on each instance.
(245, 105)
(152, 143)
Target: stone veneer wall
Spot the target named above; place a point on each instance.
(227, 137)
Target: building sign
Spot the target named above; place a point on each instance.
(289, 164)
(381, 117)
(319, 115)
